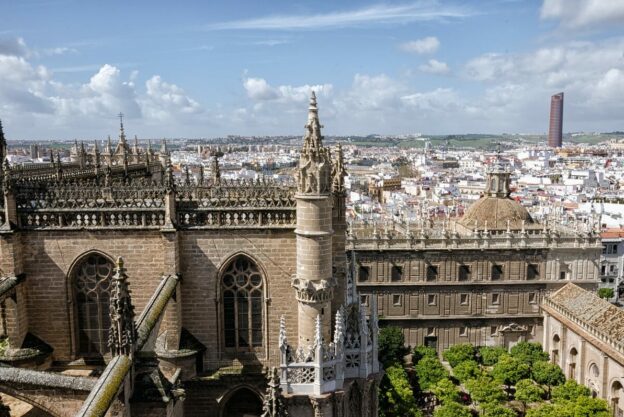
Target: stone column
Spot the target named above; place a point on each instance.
(314, 282)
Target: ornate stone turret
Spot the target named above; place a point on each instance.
(122, 334)
(313, 281)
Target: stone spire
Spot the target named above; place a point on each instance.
(96, 154)
(108, 150)
(314, 175)
(273, 404)
(122, 133)
(122, 334)
(3, 144)
(313, 139)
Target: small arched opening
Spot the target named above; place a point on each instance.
(243, 402)
(554, 353)
(617, 399)
(572, 363)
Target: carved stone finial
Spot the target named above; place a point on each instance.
(273, 404)
(200, 180)
(122, 334)
(216, 171)
(283, 341)
(318, 331)
(338, 171)
(169, 181)
(339, 330)
(187, 175)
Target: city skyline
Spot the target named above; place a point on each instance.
(389, 68)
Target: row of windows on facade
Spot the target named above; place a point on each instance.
(241, 292)
(464, 331)
(432, 299)
(610, 249)
(464, 273)
(610, 269)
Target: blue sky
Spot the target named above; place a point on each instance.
(202, 69)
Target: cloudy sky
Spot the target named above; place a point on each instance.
(203, 69)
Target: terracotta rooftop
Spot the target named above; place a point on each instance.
(612, 233)
(591, 309)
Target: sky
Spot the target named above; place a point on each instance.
(206, 69)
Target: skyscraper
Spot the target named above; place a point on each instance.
(555, 130)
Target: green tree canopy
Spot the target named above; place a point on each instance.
(548, 374)
(420, 352)
(591, 407)
(497, 410)
(429, 371)
(509, 370)
(467, 370)
(570, 390)
(527, 392)
(445, 391)
(459, 353)
(485, 390)
(529, 352)
(489, 355)
(391, 345)
(582, 407)
(452, 410)
(396, 398)
(605, 293)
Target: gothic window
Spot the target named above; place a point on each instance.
(91, 286)
(242, 294)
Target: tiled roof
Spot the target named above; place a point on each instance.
(591, 309)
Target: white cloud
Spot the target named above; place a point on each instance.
(426, 45)
(259, 90)
(31, 97)
(424, 10)
(433, 66)
(583, 13)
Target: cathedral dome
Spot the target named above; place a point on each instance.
(495, 209)
(496, 213)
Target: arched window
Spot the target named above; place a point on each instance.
(242, 305)
(91, 285)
